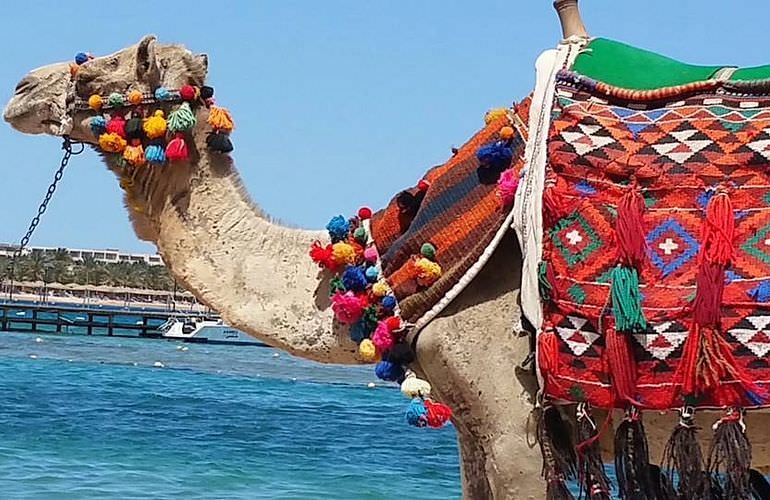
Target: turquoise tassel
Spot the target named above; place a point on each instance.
(627, 300)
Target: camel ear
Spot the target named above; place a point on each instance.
(146, 62)
(203, 59)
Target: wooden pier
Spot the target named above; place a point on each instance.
(83, 320)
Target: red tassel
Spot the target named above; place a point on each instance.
(710, 284)
(622, 365)
(718, 230)
(555, 206)
(548, 357)
(176, 149)
(322, 255)
(438, 414)
(629, 230)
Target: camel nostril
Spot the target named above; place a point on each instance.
(25, 84)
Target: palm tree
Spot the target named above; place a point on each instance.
(32, 266)
(61, 266)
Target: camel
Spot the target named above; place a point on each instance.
(256, 273)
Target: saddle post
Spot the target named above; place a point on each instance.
(570, 19)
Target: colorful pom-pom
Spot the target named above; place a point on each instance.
(348, 307)
(437, 414)
(135, 97)
(115, 100)
(427, 271)
(134, 128)
(354, 279)
(380, 289)
(506, 133)
(372, 274)
(393, 323)
(98, 125)
(338, 228)
(423, 185)
(155, 126)
(382, 338)
(155, 154)
(416, 413)
(74, 68)
(181, 119)
(413, 387)
(494, 115)
(176, 149)
(385, 370)
(220, 119)
(360, 235)
(343, 254)
(81, 57)
(497, 155)
(187, 92)
(388, 302)
(117, 125)
(162, 94)
(219, 141)
(112, 143)
(95, 102)
(322, 255)
(207, 92)
(507, 185)
(367, 351)
(358, 332)
(428, 251)
(371, 255)
(134, 153)
(364, 213)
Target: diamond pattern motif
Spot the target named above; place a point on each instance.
(671, 246)
(663, 339)
(577, 333)
(754, 333)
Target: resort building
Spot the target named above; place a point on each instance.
(78, 254)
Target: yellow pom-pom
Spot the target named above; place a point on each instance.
(95, 102)
(380, 288)
(344, 253)
(220, 119)
(494, 114)
(135, 97)
(427, 271)
(413, 387)
(506, 133)
(112, 143)
(367, 351)
(134, 154)
(155, 126)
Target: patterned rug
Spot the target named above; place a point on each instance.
(656, 245)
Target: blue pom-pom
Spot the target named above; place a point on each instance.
(80, 58)
(372, 274)
(338, 228)
(354, 279)
(389, 302)
(385, 370)
(98, 125)
(162, 93)
(497, 155)
(416, 413)
(761, 293)
(154, 153)
(358, 331)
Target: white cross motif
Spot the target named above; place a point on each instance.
(574, 237)
(767, 242)
(669, 246)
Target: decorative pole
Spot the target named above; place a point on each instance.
(569, 17)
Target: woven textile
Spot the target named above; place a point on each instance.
(459, 215)
(692, 159)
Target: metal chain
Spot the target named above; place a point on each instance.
(67, 144)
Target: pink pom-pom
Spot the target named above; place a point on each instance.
(347, 307)
(382, 338)
(371, 255)
(506, 186)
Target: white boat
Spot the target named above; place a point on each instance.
(203, 330)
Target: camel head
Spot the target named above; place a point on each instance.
(44, 101)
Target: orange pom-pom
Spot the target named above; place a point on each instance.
(220, 119)
(95, 102)
(506, 133)
(112, 143)
(134, 154)
(135, 97)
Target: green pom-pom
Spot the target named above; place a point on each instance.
(182, 119)
(115, 100)
(360, 234)
(335, 285)
(428, 251)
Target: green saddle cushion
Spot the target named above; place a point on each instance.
(628, 67)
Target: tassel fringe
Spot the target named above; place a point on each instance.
(622, 364)
(730, 457)
(682, 455)
(632, 459)
(559, 458)
(629, 230)
(594, 483)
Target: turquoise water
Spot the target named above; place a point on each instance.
(89, 417)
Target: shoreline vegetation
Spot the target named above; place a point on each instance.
(55, 277)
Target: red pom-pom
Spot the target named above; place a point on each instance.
(322, 255)
(423, 185)
(187, 92)
(176, 149)
(117, 125)
(364, 213)
(438, 414)
(394, 323)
